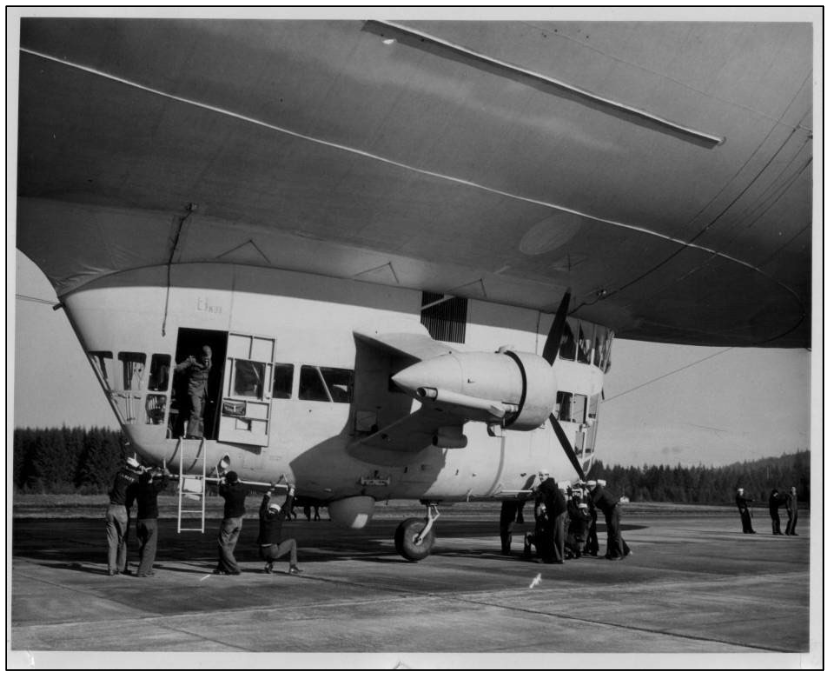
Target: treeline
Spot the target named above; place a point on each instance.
(67, 460)
(710, 485)
(72, 460)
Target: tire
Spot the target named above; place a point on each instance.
(406, 532)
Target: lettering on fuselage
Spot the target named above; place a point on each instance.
(204, 305)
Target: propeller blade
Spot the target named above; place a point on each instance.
(564, 441)
(552, 343)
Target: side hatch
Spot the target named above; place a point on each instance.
(245, 410)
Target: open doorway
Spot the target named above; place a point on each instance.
(190, 344)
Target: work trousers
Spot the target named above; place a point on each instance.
(117, 527)
(776, 523)
(229, 531)
(747, 524)
(148, 535)
(560, 538)
(271, 552)
(791, 528)
(614, 538)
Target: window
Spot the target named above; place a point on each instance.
(326, 384)
(584, 348)
(132, 370)
(159, 373)
(102, 361)
(444, 318)
(567, 343)
(248, 380)
(312, 386)
(154, 408)
(339, 383)
(283, 380)
(570, 407)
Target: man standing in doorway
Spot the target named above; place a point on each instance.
(198, 370)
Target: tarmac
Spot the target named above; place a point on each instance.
(695, 593)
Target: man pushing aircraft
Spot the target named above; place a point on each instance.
(272, 514)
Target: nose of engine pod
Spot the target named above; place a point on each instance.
(443, 372)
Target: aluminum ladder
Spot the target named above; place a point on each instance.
(192, 486)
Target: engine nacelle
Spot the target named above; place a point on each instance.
(352, 512)
(514, 389)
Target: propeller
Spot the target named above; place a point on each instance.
(549, 352)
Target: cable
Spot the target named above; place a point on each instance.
(680, 369)
(36, 300)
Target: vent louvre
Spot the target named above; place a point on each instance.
(445, 320)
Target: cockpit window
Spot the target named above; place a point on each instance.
(102, 361)
(326, 384)
(132, 370)
(159, 373)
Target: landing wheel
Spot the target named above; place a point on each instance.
(405, 536)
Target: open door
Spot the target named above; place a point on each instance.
(245, 410)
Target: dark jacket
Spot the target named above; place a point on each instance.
(124, 485)
(742, 501)
(792, 507)
(773, 502)
(603, 499)
(271, 526)
(550, 495)
(146, 502)
(234, 495)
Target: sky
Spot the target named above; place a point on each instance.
(665, 404)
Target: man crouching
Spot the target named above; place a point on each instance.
(272, 515)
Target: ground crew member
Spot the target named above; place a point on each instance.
(792, 513)
(578, 525)
(231, 526)
(592, 544)
(551, 544)
(773, 507)
(507, 517)
(147, 519)
(616, 547)
(272, 547)
(744, 511)
(198, 370)
(122, 495)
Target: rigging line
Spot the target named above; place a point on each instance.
(36, 300)
(372, 156)
(680, 369)
(190, 209)
(691, 241)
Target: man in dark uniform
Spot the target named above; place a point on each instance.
(578, 525)
(552, 537)
(272, 546)
(229, 530)
(147, 519)
(792, 513)
(592, 543)
(198, 370)
(773, 507)
(122, 495)
(507, 518)
(616, 547)
(744, 511)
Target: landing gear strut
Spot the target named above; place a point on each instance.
(414, 537)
